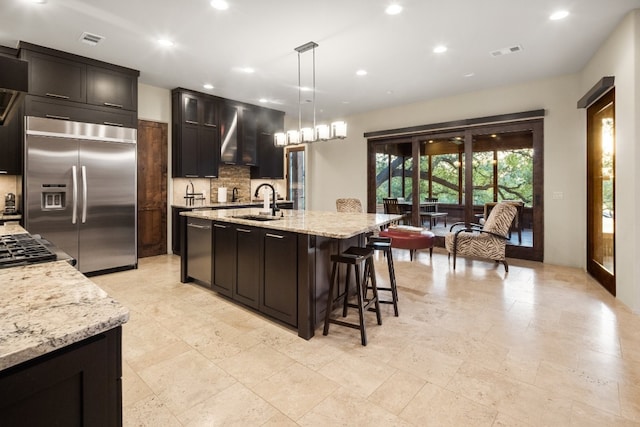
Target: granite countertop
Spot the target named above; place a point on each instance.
(225, 205)
(337, 225)
(10, 217)
(48, 306)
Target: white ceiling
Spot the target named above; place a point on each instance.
(397, 51)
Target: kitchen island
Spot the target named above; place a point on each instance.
(278, 266)
(60, 346)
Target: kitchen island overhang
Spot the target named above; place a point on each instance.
(279, 267)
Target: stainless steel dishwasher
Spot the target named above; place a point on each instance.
(199, 244)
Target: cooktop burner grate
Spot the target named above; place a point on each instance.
(19, 249)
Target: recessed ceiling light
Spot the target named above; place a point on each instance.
(263, 100)
(469, 74)
(38, 1)
(393, 9)
(165, 42)
(361, 72)
(561, 14)
(207, 86)
(440, 49)
(247, 70)
(219, 4)
(305, 89)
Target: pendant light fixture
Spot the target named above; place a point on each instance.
(337, 130)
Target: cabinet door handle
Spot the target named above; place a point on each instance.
(191, 176)
(211, 125)
(55, 95)
(109, 104)
(220, 226)
(191, 122)
(201, 227)
(53, 116)
(229, 163)
(210, 176)
(243, 230)
(275, 236)
(3, 172)
(113, 124)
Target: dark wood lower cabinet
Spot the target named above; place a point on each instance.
(223, 258)
(279, 282)
(246, 288)
(79, 385)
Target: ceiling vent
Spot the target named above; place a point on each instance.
(91, 39)
(507, 50)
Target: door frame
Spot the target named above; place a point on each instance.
(594, 166)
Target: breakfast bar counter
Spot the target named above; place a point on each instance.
(277, 265)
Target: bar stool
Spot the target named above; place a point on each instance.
(354, 256)
(384, 244)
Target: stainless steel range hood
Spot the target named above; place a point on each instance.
(13, 86)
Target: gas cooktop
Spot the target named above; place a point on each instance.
(21, 249)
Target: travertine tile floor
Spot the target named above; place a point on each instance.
(541, 345)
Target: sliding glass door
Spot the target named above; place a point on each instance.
(505, 165)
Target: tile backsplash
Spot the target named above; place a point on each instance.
(9, 184)
(229, 177)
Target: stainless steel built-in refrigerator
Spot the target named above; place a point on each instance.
(80, 190)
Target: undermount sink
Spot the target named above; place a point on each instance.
(253, 217)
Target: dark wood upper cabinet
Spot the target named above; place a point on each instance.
(56, 77)
(11, 146)
(70, 87)
(112, 88)
(238, 130)
(270, 163)
(196, 136)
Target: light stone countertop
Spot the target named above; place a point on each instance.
(337, 225)
(48, 306)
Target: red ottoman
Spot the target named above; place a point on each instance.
(412, 238)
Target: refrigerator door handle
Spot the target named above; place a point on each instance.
(74, 208)
(84, 194)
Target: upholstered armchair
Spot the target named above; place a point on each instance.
(483, 241)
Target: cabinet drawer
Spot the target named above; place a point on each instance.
(110, 88)
(56, 78)
(45, 107)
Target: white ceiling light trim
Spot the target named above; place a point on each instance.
(561, 14)
(440, 49)
(322, 132)
(207, 86)
(166, 43)
(393, 9)
(219, 4)
(361, 72)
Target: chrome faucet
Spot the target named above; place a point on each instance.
(189, 195)
(234, 194)
(274, 207)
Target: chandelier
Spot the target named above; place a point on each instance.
(321, 132)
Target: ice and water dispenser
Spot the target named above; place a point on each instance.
(53, 196)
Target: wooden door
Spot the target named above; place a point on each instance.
(601, 191)
(152, 188)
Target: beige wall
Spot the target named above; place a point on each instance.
(619, 57)
(338, 168)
